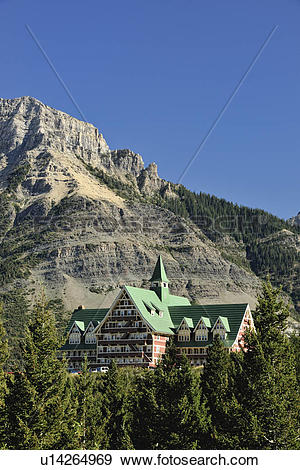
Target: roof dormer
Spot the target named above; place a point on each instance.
(184, 329)
(75, 332)
(201, 330)
(221, 327)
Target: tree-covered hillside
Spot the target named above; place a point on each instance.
(270, 243)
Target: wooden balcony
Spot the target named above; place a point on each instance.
(132, 317)
(124, 329)
(106, 342)
(122, 354)
(191, 356)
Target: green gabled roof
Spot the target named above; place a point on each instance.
(149, 307)
(224, 320)
(188, 321)
(175, 300)
(206, 321)
(84, 316)
(80, 325)
(155, 307)
(143, 297)
(159, 273)
(232, 312)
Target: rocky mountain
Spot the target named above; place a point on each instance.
(295, 220)
(81, 219)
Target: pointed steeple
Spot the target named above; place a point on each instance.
(159, 273)
(159, 280)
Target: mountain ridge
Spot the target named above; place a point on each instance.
(295, 220)
(83, 219)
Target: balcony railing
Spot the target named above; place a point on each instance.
(119, 317)
(81, 358)
(105, 342)
(122, 354)
(123, 329)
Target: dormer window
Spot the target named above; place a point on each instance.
(182, 337)
(90, 338)
(74, 338)
(202, 328)
(201, 333)
(201, 336)
(221, 329)
(184, 332)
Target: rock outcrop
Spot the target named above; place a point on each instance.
(295, 220)
(66, 227)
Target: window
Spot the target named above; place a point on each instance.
(90, 338)
(183, 338)
(74, 338)
(201, 336)
(220, 330)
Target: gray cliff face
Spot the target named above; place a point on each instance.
(295, 220)
(26, 124)
(64, 227)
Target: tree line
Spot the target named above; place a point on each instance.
(217, 217)
(247, 400)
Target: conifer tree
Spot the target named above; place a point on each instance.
(46, 420)
(218, 390)
(143, 409)
(268, 389)
(21, 421)
(295, 342)
(88, 395)
(180, 418)
(3, 384)
(116, 410)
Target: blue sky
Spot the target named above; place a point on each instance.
(152, 76)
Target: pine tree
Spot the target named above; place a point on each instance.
(295, 342)
(218, 390)
(143, 409)
(3, 384)
(180, 418)
(116, 410)
(268, 389)
(46, 417)
(88, 394)
(21, 419)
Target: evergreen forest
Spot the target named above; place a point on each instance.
(247, 400)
